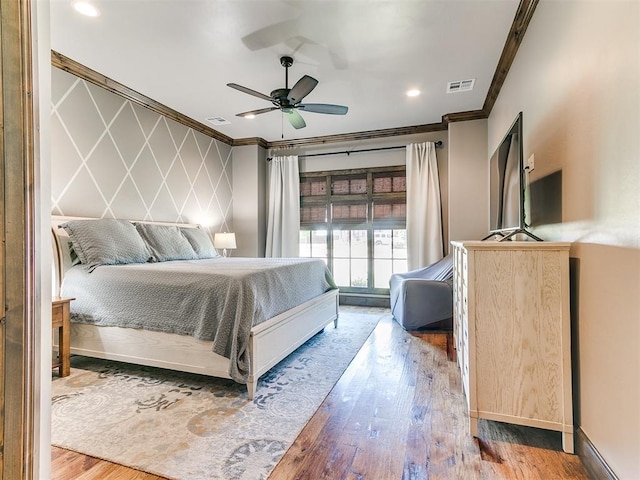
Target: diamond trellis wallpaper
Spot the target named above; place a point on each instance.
(113, 158)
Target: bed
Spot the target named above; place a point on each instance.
(223, 317)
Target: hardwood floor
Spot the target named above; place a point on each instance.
(396, 413)
(68, 465)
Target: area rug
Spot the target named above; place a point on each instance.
(186, 426)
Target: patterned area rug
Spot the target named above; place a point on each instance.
(186, 426)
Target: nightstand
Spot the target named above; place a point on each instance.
(60, 320)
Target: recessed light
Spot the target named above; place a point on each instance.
(86, 8)
(249, 116)
(413, 93)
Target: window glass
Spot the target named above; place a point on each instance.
(390, 255)
(313, 243)
(319, 244)
(341, 273)
(305, 243)
(400, 243)
(359, 244)
(382, 270)
(359, 272)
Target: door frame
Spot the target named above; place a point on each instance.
(20, 278)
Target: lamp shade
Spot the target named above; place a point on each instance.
(224, 240)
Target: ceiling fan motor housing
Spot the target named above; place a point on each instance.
(279, 97)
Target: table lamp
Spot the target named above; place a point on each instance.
(224, 241)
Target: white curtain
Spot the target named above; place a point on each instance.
(424, 211)
(283, 223)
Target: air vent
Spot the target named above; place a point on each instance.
(218, 121)
(461, 86)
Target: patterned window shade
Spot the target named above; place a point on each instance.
(349, 212)
(400, 184)
(313, 188)
(313, 214)
(351, 186)
(340, 187)
(382, 185)
(395, 211)
(390, 184)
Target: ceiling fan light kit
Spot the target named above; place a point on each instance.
(289, 100)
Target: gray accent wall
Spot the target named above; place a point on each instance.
(113, 158)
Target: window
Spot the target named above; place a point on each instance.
(356, 221)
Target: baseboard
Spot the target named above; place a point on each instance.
(591, 458)
(364, 300)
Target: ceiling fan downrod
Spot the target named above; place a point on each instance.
(286, 62)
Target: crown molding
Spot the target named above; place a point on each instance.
(516, 34)
(261, 142)
(350, 137)
(463, 116)
(62, 62)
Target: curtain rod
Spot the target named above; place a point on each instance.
(438, 144)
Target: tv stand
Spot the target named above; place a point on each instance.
(508, 234)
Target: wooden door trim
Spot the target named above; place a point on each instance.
(19, 328)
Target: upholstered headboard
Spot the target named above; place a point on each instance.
(62, 259)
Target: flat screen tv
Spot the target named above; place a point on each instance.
(506, 185)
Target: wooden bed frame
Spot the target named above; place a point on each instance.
(270, 341)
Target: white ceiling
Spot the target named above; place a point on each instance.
(364, 53)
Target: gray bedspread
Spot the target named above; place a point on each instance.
(216, 299)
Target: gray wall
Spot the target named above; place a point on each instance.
(249, 200)
(113, 158)
(468, 181)
(576, 79)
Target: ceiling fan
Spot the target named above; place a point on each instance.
(288, 100)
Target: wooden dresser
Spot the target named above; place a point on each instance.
(512, 333)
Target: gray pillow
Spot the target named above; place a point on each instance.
(106, 241)
(200, 242)
(73, 255)
(166, 242)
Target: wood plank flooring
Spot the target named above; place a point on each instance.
(396, 413)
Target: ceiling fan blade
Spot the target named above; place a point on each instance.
(301, 89)
(249, 91)
(324, 108)
(256, 112)
(295, 119)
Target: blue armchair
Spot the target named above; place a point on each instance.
(423, 297)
